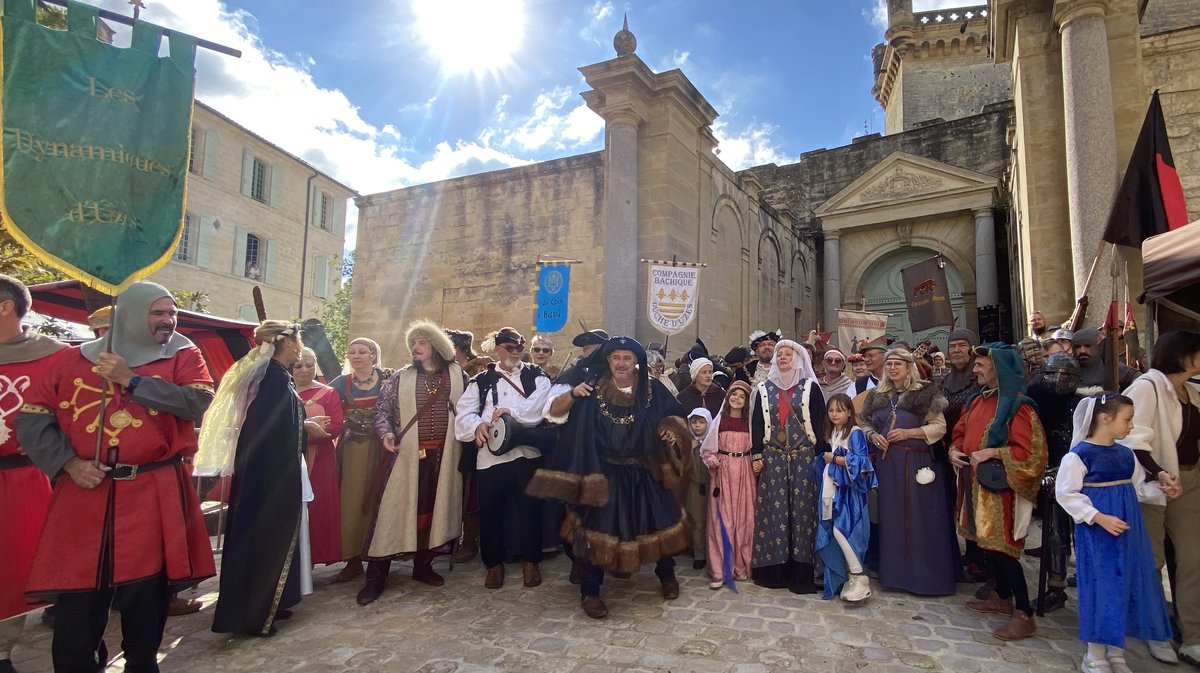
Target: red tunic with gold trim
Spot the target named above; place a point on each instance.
(998, 521)
(24, 490)
(123, 530)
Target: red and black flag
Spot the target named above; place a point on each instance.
(1150, 200)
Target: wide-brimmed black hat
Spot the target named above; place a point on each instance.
(593, 337)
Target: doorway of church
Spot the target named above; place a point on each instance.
(885, 294)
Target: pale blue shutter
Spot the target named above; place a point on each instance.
(247, 172)
(239, 252)
(203, 244)
(208, 163)
(276, 185)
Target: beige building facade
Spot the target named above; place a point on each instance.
(256, 216)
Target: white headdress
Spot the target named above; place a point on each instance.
(801, 366)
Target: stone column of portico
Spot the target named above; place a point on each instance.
(986, 289)
(832, 269)
(621, 226)
(1090, 133)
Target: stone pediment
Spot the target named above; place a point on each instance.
(905, 179)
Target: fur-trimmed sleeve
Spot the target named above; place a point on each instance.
(934, 422)
(679, 456)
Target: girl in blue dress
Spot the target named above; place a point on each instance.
(1120, 591)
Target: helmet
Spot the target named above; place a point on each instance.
(1061, 373)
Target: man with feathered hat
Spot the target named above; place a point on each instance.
(519, 390)
(123, 529)
(618, 457)
(762, 344)
(1000, 450)
(419, 511)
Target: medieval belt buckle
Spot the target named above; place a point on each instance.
(121, 419)
(133, 470)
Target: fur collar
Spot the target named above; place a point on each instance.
(615, 395)
(921, 402)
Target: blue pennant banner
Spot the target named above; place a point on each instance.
(554, 287)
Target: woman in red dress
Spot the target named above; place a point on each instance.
(324, 413)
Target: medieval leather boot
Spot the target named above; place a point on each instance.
(670, 586)
(576, 576)
(377, 572)
(423, 570)
(532, 575)
(469, 548)
(354, 568)
(1019, 627)
(993, 603)
(594, 607)
(495, 577)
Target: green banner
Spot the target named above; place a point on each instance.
(95, 144)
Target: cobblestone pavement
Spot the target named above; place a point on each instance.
(464, 628)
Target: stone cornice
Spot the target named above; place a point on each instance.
(625, 88)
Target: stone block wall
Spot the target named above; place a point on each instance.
(1171, 63)
(463, 252)
(954, 86)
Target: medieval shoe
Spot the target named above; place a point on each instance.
(858, 588)
(594, 607)
(531, 574)
(181, 606)
(993, 603)
(1162, 650)
(495, 577)
(1019, 627)
(670, 589)
(353, 569)
(426, 575)
(371, 591)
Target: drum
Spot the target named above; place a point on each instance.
(506, 433)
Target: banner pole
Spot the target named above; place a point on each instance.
(127, 21)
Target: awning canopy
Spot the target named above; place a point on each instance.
(221, 340)
(1171, 262)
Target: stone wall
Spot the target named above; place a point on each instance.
(1171, 63)
(463, 252)
(959, 84)
(976, 143)
(1162, 16)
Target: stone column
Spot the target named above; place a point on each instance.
(986, 293)
(1090, 135)
(620, 226)
(832, 270)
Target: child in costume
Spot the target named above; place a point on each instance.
(1120, 591)
(727, 453)
(696, 500)
(845, 528)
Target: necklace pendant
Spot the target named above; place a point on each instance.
(121, 419)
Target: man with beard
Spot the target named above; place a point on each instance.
(1056, 392)
(420, 504)
(959, 385)
(519, 390)
(615, 466)
(25, 357)
(763, 345)
(123, 531)
(1030, 347)
(1085, 346)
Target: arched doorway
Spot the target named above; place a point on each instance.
(885, 294)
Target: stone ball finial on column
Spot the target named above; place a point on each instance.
(624, 41)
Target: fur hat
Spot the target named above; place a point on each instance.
(963, 334)
(428, 330)
(759, 336)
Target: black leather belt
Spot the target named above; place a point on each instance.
(15, 461)
(126, 472)
(731, 454)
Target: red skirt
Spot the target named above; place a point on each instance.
(24, 499)
(325, 511)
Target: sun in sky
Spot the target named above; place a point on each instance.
(471, 35)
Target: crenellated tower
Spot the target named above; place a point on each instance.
(936, 65)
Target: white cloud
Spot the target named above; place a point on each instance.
(601, 22)
(752, 145)
(549, 127)
(877, 14)
(677, 59)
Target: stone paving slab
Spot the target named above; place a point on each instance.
(464, 628)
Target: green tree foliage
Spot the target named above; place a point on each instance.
(19, 263)
(191, 300)
(335, 312)
(52, 17)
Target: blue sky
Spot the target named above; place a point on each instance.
(388, 93)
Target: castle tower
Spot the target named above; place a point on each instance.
(936, 65)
